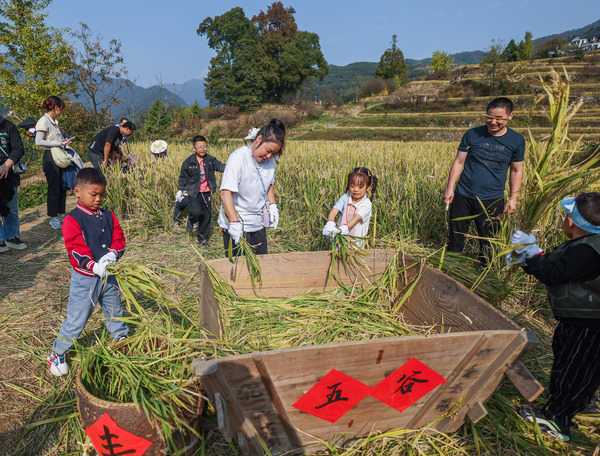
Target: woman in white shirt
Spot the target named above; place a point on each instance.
(247, 193)
(49, 135)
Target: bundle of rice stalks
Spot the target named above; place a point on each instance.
(550, 169)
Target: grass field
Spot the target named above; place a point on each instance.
(41, 416)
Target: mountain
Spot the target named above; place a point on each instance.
(569, 33)
(136, 100)
(191, 91)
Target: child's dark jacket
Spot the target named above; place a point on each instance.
(189, 177)
(571, 273)
(89, 236)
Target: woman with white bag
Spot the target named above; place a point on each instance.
(55, 158)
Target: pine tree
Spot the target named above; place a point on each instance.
(392, 64)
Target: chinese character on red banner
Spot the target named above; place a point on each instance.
(332, 396)
(407, 384)
(111, 440)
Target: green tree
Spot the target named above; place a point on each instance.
(511, 52)
(35, 58)
(98, 72)
(234, 77)
(526, 47)
(289, 58)
(392, 64)
(491, 62)
(552, 47)
(158, 120)
(440, 62)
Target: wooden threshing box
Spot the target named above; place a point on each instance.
(288, 399)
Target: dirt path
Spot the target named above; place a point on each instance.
(33, 297)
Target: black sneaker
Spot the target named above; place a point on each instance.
(545, 423)
(3, 247)
(16, 243)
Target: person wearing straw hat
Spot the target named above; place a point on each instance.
(571, 273)
(159, 149)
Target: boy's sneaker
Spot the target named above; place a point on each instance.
(545, 423)
(16, 243)
(176, 224)
(3, 247)
(56, 223)
(120, 338)
(57, 364)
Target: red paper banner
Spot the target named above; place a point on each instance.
(407, 384)
(332, 396)
(111, 440)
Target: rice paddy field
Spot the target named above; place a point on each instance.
(159, 279)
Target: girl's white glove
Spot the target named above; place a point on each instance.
(273, 215)
(179, 196)
(235, 231)
(345, 230)
(330, 229)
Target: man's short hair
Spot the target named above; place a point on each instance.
(89, 176)
(129, 125)
(199, 138)
(588, 205)
(500, 102)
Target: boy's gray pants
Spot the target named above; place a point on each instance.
(83, 294)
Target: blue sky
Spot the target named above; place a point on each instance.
(160, 43)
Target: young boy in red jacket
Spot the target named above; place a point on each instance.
(94, 239)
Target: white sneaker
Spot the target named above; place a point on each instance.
(3, 247)
(57, 364)
(56, 223)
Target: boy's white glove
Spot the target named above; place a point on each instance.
(510, 259)
(330, 229)
(345, 230)
(179, 196)
(273, 215)
(99, 269)
(109, 258)
(529, 251)
(235, 231)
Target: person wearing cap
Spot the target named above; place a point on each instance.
(571, 273)
(197, 179)
(159, 148)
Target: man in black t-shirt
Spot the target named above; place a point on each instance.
(105, 141)
(485, 155)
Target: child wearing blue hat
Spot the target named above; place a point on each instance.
(571, 273)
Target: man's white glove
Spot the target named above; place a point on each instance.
(235, 231)
(99, 269)
(345, 230)
(109, 258)
(179, 196)
(330, 229)
(273, 215)
(528, 251)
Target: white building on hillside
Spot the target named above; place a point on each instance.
(589, 41)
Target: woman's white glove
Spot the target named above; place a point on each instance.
(273, 215)
(528, 251)
(99, 269)
(235, 231)
(109, 258)
(179, 196)
(330, 229)
(345, 230)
